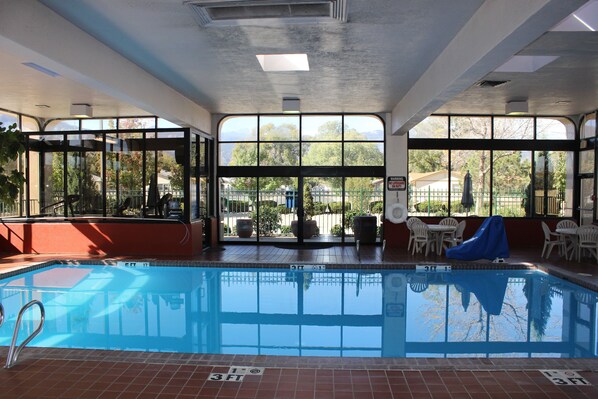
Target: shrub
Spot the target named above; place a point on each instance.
(319, 208)
(436, 207)
(337, 230)
(283, 210)
(268, 203)
(336, 207)
(285, 230)
(269, 220)
(377, 207)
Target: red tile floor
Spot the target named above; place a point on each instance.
(56, 373)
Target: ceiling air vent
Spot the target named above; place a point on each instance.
(236, 12)
(491, 83)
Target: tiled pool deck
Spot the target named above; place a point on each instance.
(65, 373)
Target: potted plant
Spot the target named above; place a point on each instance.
(310, 226)
(244, 227)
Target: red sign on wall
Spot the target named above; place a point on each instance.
(396, 183)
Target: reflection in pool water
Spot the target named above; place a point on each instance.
(381, 313)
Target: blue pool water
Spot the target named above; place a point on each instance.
(341, 313)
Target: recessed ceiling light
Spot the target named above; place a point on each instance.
(283, 62)
(563, 102)
(41, 69)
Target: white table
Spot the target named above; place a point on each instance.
(438, 230)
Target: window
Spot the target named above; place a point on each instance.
(500, 166)
(514, 128)
(470, 127)
(429, 182)
(554, 129)
(588, 127)
(433, 127)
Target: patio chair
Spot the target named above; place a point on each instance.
(409, 223)
(422, 238)
(587, 238)
(122, 207)
(567, 224)
(550, 243)
(455, 238)
(449, 222)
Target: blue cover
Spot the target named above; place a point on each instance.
(489, 242)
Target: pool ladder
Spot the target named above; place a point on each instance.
(14, 350)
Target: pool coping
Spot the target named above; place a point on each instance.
(308, 362)
(549, 269)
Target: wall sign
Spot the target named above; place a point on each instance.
(396, 183)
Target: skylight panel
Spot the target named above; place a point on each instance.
(525, 63)
(283, 62)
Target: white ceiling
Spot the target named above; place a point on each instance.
(372, 63)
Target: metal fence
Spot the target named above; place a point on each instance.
(514, 203)
(328, 212)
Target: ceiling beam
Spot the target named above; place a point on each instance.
(31, 30)
(497, 31)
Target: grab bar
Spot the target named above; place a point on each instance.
(14, 350)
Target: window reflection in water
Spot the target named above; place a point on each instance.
(334, 313)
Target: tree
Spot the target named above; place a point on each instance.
(12, 145)
(423, 161)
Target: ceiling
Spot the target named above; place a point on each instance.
(384, 58)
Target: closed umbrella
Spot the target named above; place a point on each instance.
(153, 195)
(467, 197)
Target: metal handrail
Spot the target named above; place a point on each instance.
(14, 350)
(1, 314)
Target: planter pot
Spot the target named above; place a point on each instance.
(244, 228)
(364, 228)
(310, 228)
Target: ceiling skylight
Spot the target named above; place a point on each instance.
(525, 63)
(283, 62)
(583, 20)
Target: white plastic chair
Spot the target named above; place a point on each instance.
(587, 238)
(449, 222)
(422, 238)
(570, 240)
(455, 238)
(550, 243)
(410, 223)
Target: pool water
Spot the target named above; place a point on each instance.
(339, 313)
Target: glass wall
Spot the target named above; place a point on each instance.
(329, 168)
(587, 167)
(117, 167)
(504, 157)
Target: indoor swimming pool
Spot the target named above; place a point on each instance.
(337, 313)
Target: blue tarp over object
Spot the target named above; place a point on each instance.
(489, 242)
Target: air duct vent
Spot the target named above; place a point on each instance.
(491, 83)
(235, 12)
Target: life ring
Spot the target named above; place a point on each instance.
(394, 209)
